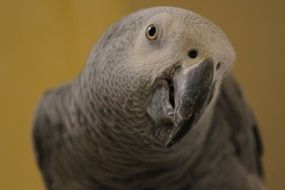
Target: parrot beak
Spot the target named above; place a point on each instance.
(193, 90)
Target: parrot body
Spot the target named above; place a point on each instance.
(154, 108)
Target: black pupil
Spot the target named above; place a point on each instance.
(193, 54)
(151, 31)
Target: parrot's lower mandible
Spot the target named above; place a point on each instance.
(155, 108)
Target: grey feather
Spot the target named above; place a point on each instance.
(108, 128)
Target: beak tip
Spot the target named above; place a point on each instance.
(169, 143)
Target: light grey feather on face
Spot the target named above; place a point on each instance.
(136, 59)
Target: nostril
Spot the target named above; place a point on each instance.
(193, 53)
(218, 66)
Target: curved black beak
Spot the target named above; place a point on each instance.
(193, 87)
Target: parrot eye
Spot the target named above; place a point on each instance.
(151, 32)
(193, 53)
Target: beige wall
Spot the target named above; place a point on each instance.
(44, 43)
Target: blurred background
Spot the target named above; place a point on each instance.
(44, 43)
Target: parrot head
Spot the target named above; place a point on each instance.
(158, 72)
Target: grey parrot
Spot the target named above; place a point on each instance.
(155, 108)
